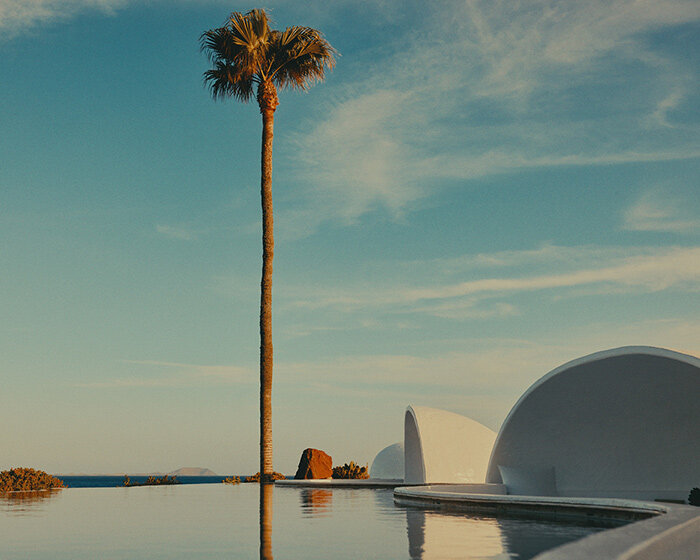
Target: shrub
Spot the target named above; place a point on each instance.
(268, 478)
(350, 470)
(152, 481)
(232, 480)
(694, 497)
(27, 479)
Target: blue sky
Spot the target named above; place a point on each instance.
(479, 192)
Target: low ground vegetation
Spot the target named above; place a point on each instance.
(268, 478)
(694, 497)
(165, 480)
(22, 479)
(351, 470)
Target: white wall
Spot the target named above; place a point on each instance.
(619, 423)
(389, 463)
(442, 446)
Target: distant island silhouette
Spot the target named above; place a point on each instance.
(193, 471)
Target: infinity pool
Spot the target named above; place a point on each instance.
(212, 521)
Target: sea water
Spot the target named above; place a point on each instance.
(111, 481)
(250, 521)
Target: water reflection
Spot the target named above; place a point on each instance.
(415, 520)
(23, 503)
(526, 536)
(266, 521)
(441, 535)
(316, 502)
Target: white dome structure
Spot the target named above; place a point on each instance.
(444, 447)
(622, 423)
(388, 464)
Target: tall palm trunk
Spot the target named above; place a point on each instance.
(267, 98)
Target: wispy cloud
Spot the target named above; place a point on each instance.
(657, 210)
(19, 15)
(615, 270)
(482, 88)
(494, 369)
(175, 232)
(547, 254)
(668, 104)
(468, 309)
(678, 267)
(173, 374)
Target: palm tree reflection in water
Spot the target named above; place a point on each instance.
(266, 521)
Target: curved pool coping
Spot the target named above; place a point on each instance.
(342, 483)
(659, 531)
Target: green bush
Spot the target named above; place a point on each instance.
(268, 478)
(165, 480)
(694, 497)
(27, 479)
(351, 470)
(232, 480)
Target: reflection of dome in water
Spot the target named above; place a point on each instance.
(442, 446)
(619, 424)
(442, 535)
(388, 463)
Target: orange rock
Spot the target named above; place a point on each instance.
(314, 463)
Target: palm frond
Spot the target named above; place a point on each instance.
(238, 52)
(301, 57)
(218, 45)
(226, 80)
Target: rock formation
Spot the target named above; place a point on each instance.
(314, 463)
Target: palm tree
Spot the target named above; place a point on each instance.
(250, 58)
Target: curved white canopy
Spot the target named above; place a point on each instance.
(619, 423)
(442, 446)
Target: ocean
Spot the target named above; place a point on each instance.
(99, 481)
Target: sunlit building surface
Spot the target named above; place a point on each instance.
(389, 463)
(622, 423)
(442, 446)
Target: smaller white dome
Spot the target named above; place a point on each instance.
(388, 463)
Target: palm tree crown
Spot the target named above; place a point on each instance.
(247, 53)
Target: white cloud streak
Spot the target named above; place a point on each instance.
(678, 267)
(177, 375)
(659, 211)
(616, 270)
(175, 232)
(493, 87)
(18, 15)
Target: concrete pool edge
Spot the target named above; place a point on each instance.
(380, 483)
(341, 483)
(658, 531)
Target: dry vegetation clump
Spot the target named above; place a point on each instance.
(152, 481)
(694, 497)
(27, 479)
(268, 478)
(232, 480)
(351, 470)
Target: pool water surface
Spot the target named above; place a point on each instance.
(213, 521)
